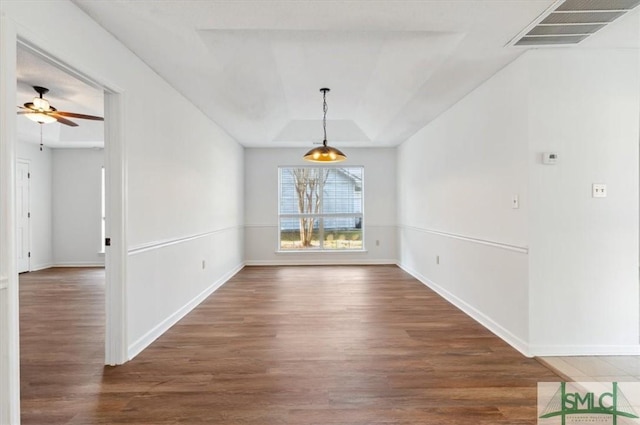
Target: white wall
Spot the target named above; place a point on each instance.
(40, 195)
(584, 105)
(559, 275)
(261, 207)
(456, 180)
(77, 214)
(184, 175)
(185, 210)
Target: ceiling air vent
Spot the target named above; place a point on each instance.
(574, 20)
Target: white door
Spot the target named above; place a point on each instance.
(23, 216)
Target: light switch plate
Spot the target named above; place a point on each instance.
(549, 158)
(599, 190)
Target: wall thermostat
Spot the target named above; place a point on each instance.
(549, 158)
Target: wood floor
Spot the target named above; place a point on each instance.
(275, 345)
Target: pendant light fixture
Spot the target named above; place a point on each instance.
(324, 153)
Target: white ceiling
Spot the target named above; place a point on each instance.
(66, 94)
(255, 67)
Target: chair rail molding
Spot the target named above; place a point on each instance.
(495, 244)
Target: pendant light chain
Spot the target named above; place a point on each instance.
(324, 153)
(325, 108)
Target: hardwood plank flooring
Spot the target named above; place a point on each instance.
(275, 345)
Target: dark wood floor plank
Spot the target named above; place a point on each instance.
(275, 345)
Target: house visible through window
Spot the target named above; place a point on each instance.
(321, 208)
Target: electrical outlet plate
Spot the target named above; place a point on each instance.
(599, 190)
(515, 202)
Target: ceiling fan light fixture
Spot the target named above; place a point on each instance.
(41, 104)
(324, 153)
(41, 111)
(40, 118)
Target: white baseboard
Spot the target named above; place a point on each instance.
(38, 267)
(80, 264)
(316, 262)
(522, 346)
(146, 340)
(584, 350)
(478, 316)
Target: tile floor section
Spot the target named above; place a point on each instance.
(595, 369)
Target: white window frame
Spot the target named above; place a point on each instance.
(321, 216)
(103, 214)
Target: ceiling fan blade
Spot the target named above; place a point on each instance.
(63, 120)
(31, 107)
(74, 115)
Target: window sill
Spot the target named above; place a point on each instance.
(323, 251)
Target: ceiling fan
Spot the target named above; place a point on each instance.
(41, 111)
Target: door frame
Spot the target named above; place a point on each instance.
(116, 342)
(28, 238)
(9, 320)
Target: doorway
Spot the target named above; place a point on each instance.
(12, 36)
(115, 347)
(58, 179)
(114, 160)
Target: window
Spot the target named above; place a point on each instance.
(102, 209)
(321, 208)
